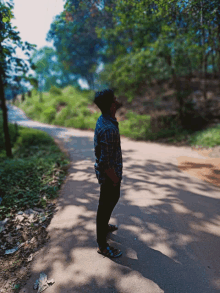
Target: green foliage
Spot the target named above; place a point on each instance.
(135, 126)
(55, 91)
(20, 174)
(49, 69)
(77, 115)
(11, 67)
(77, 122)
(49, 115)
(128, 73)
(27, 177)
(77, 44)
(90, 121)
(32, 137)
(84, 111)
(176, 35)
(209, 137)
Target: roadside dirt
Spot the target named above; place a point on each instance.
(26, 231)
(207, 169)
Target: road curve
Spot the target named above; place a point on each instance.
(169, 222)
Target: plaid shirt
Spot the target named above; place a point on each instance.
(107, 146)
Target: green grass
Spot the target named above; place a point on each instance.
(26, 179)
(77, 115)
(138, 127)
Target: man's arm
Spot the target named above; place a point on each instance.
(108, 150)
(111, 174)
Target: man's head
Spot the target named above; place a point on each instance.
(107, 102)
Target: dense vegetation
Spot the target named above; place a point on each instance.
(69, 108)
(138, 41)
(27, 179)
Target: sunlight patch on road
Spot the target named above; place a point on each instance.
(181, 209)
(207, 227)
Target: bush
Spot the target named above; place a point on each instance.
(90, 122)
(76, 122)
(49, 114)
(55, 91)
(30, 137)
(19, 172)
(129, 73)
(84, 111)
(209, 137)
(26, 177)
(137, 126)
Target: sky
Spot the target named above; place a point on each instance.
(33, 19)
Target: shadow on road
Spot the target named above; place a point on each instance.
(163, 215)
(168, 229)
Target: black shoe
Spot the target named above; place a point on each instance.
(110, 251)
(112, 228)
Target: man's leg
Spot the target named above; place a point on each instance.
(109, 196)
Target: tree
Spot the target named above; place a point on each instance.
(49, 70)
(75, 37)
(182, 34)
(10, 66)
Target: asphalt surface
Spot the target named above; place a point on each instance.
(169, 223)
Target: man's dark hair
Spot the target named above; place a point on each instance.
(104, 99)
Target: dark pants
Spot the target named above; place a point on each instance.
(109, 196)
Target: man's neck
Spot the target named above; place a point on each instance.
(110, 114)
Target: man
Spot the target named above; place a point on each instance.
(108, 167)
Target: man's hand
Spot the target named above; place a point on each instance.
(116, 182)
(111, 174)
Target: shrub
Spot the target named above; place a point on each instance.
(30, 137)
(49, 114)
(137, 126)
(19, 172)
(55, 91)
(209, 137)
(38, 108)
(85, 111)
(128, 73)
(76, 122)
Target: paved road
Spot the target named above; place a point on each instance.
(169, 223)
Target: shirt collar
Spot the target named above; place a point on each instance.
(109, 117)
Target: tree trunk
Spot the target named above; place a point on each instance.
(179, 97)
(213, 63)
(219, 46)
(5, 120)
(212, 45)
(203, 54)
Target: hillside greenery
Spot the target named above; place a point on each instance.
(26, 179)
(74, 112)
